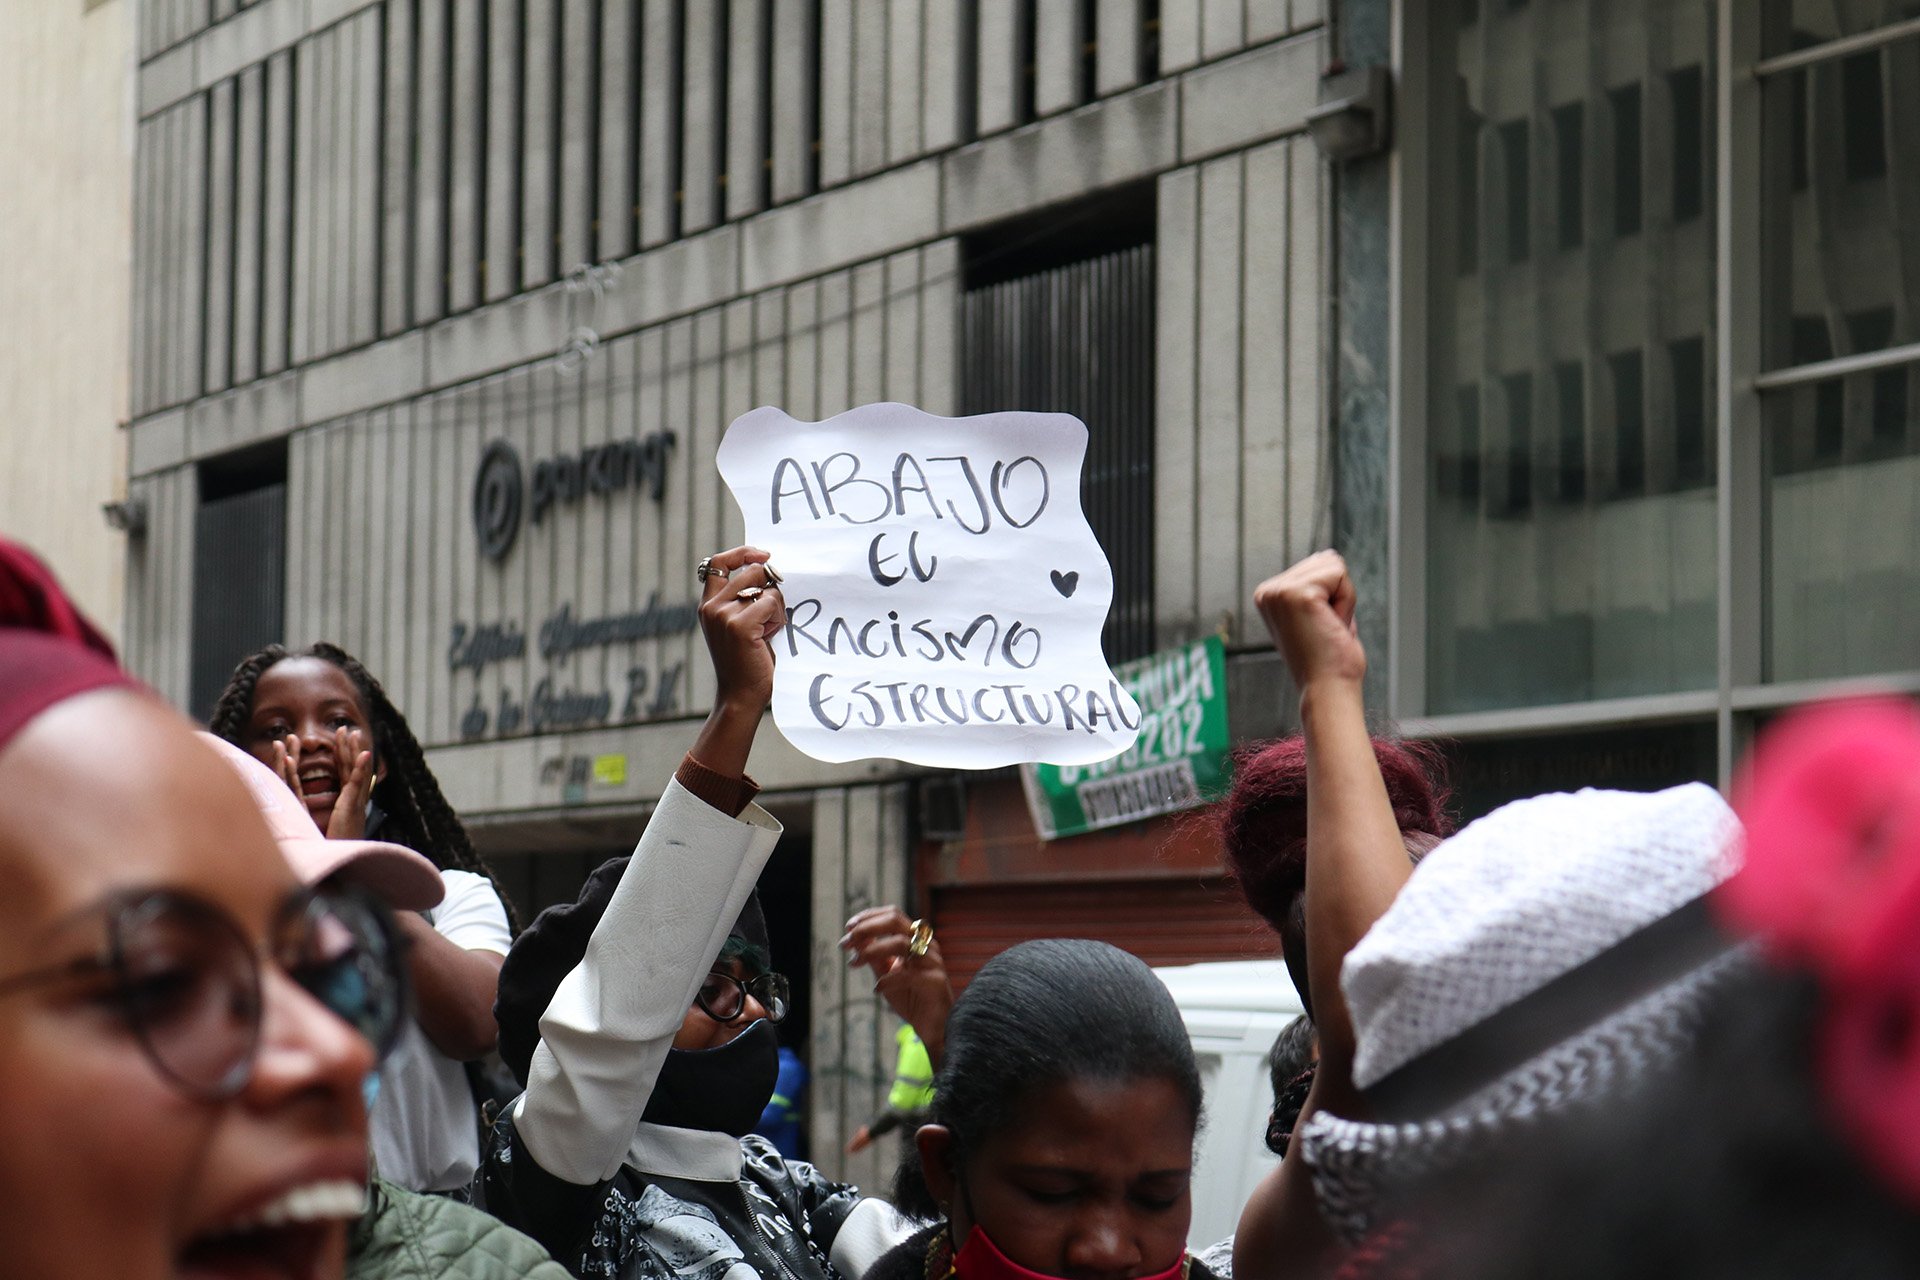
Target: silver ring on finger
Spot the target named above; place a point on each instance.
(706, 569)
(750, 594)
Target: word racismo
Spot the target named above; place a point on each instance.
(1016, 644)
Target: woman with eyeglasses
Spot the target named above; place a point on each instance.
(184, 1030)
(404, 1234)
(641, 1019)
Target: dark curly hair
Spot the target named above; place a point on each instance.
(417, 814)
(1262, 825)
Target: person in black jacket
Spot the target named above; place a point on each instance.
(641, 1019)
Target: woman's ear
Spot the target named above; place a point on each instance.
(935, 1144)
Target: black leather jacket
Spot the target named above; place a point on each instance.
(776, 1221)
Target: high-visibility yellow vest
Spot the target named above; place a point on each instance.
(912, 1074)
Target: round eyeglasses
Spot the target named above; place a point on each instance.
(187, 979)
(723, 997)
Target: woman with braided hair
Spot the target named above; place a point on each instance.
(322, 722)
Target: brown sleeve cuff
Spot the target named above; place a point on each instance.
(727, 794)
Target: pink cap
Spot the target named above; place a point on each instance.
(404, 879)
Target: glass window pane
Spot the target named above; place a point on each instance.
(1692, 157)
(1624, 105)
(1571, 426)
(1799, 23)
(1843, 527)
(1842, 153)
(1569, 159)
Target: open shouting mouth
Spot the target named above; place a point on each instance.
(295, 1236)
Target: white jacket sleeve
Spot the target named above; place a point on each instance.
(605, 1036)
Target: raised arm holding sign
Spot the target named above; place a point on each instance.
(945, 594)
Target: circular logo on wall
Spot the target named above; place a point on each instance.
(496, 499)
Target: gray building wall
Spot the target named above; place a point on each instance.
(363, 228)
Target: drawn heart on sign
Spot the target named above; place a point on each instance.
(1066, 583)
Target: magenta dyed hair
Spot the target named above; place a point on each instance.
(1263, 819)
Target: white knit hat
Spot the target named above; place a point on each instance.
(1520, 898)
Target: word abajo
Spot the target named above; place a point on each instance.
(825, 492)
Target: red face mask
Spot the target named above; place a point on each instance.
(980, 1259)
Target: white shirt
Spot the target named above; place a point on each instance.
(425, 1132)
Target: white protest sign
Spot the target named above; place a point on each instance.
(944, 591)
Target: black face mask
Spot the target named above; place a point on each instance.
(722, 1090)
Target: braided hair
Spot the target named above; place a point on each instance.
(417, 814)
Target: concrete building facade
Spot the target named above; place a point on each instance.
(386, 250)
(1599, 372)
(66, 140)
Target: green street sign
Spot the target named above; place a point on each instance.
(1178, 762)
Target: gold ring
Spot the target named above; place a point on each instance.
(705, 570)
(920, 939)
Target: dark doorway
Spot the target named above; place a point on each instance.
(239, 565)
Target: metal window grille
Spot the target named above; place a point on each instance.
(1078, 339)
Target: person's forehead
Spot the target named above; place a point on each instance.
(1080, 1120)
(304, 681)
(110, 791)
(739, 966)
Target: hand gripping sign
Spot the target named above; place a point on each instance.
(945, 593)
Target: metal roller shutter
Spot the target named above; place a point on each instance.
(1162, 921)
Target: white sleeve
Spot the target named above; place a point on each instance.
(471, 916)
(605, 1035)
(872, 1229)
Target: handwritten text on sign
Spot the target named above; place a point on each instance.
(945, 593)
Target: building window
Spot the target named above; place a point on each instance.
(1841, 455)
(1513, 153)
(1592, 571)
(1568, 584)
(1687, 89)
(1570, 147)
(1863, 103)
(239, 565)
(1058, 315)
(1624, 102)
